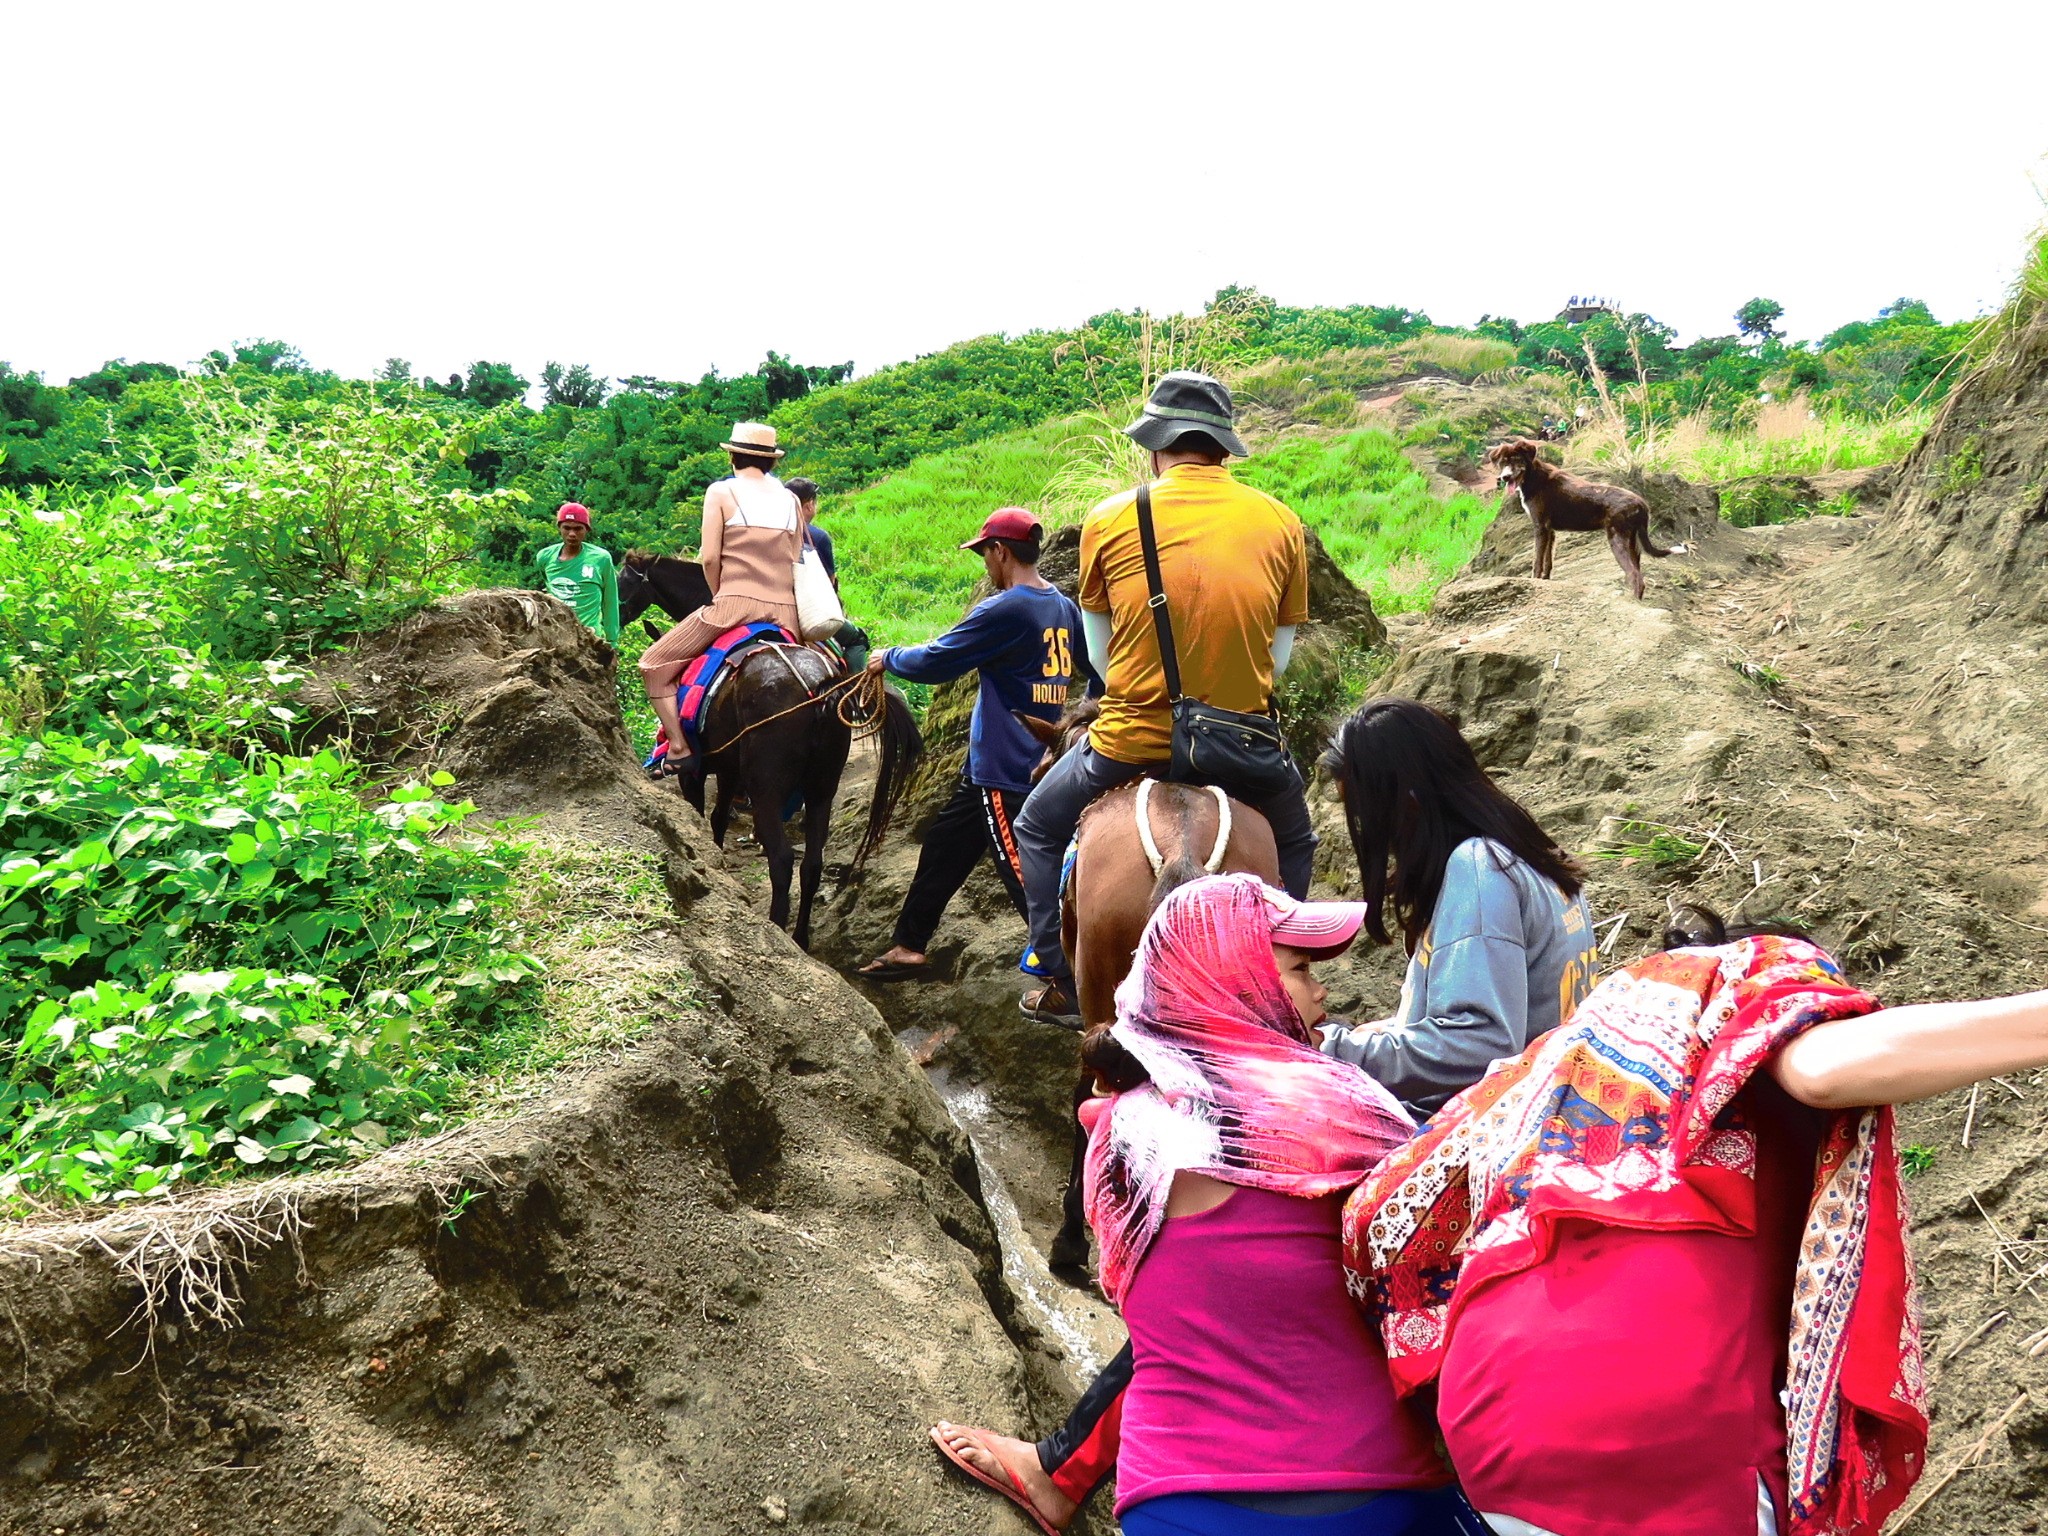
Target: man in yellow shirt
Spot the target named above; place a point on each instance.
(1234, 567)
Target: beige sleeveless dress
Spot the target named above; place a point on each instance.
(749, 559)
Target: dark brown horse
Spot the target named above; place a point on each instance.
(778, 730)
(676, 587)
(1117, 880)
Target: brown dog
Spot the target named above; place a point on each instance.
(1555, 500)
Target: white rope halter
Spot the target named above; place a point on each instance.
(1152, 854)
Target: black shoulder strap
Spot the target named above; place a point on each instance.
(1156, 586)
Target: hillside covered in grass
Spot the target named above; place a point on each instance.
(903, 575)
(640, 450)
(184, 545)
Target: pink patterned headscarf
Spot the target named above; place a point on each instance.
(1238, 1091)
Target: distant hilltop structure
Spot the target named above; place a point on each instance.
(1580, 310)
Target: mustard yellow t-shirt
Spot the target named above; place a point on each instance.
(1234, 565)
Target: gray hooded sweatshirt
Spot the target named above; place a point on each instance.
(1506, 956)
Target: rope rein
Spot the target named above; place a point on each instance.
(858, 699)
(1152, 854)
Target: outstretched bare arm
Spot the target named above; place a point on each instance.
(1897, 1055)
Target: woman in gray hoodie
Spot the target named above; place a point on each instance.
(1499, 939)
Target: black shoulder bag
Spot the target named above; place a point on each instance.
(1241, 753)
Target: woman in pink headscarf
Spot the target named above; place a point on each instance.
(1215, 1183)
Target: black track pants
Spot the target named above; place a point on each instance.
(975, 821)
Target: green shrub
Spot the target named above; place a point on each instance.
(110, 615)
(1759, 503)
(207, 964)
(332, 529)
(1961, 469)
(1324, 682)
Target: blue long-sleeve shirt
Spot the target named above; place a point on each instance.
(1026, 643)
(821, 541)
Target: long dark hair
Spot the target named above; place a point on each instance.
(1693, 925)
(1413, 792)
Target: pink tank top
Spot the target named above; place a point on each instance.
(1630, 1381)
(1255, 1371)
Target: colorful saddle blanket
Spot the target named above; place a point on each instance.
(700, 681)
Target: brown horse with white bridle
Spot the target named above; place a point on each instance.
(1134, 844)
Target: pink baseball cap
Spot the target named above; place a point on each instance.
(1323, 929)
(1006, 523)
(573, 512)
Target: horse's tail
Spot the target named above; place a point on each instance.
(901, 746)
(1174, 873)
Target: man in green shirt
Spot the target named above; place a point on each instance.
(581, 574)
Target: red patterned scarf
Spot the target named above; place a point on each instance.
(1617, 1117)
(1238, 1092)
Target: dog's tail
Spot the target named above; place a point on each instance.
(1651, 546)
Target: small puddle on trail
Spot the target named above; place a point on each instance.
(1085, 1329)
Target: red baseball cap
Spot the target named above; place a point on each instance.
(573, 512)
(1006, 523)
(1324, 929)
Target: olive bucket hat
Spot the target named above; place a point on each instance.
(1185, 402)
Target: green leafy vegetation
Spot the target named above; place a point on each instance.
(1916, 1159)
(216, 956)
(1961, 469)
(208, 964)
(1761, 502)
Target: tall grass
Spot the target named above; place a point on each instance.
(1786, 438)
(901, 571)
(1467, 357)
(2004, 338)
(1375, 513)
(903, 576)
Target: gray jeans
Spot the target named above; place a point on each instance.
(1046, 825)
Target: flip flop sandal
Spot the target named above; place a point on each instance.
(895, 970)
(1031, 1005)
(1004, 1484)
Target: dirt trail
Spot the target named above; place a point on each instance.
(1768, 733)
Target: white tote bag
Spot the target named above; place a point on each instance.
(818, 614)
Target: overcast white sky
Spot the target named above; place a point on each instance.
(664, 188)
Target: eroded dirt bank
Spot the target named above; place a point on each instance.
(719, 1282)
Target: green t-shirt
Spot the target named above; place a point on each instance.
(589, 584)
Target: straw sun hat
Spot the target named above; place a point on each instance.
(755, 437)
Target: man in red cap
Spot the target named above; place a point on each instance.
(1025, 640)
(581, 574)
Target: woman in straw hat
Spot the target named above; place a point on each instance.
(752, 537)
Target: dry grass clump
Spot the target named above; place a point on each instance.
(1788, 437)
(1465, 356)
(606, 930)
(2019, 330)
